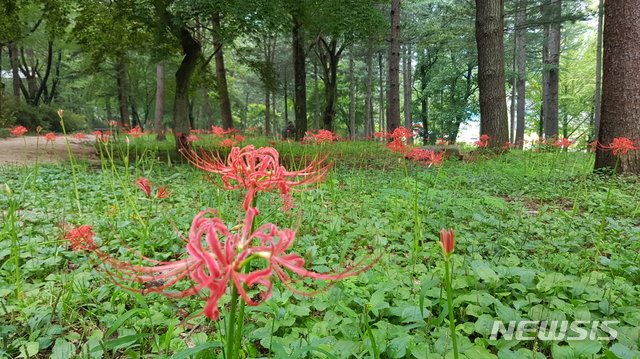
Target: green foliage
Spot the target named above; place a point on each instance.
(44, 116)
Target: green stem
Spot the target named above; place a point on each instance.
(604, 211)
(231, 331)
(72, 162)
(452, 321)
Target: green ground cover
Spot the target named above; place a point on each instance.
(538, 237)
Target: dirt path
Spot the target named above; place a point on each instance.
(12, 150)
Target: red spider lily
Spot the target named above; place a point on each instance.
(447, 242)
(484, 141)
(227, 143)
(379, 135)
(563, 143)
(238, 138)
(50, 137)
(400, 132)
(216, 264)
(397, 146)
(272, 143)
(425, 156)
(80, 238)
(324, 136)
(145, 185)
(135, 132)
(218, 131)
(620, 145)
(193, 138)
(441, 142)
(592, 146)
(19, 131)
(485, 138)
(61, 113)
(257, 170)
(162, 192)
(114, 123)
(79, 135)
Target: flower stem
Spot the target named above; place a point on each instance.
(231, 331)
(452, 321)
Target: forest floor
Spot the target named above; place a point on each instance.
(18, 150)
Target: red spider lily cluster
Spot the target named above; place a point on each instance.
(18, 131)
(145, 185)
(135, 132)
(484, 141)
(562, 143)
(425, 156)
(218, 256)
(323, 136)
(257, 170)
(80, 238)
(79, 135)
(620, 145)
(219, 131)
(50, 137)
(102, 137)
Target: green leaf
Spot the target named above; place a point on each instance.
(563, 352)
(398, 346)
(124, 341)
(63, 350)
(586, 347)
(477, 352)
(122, 319)
(186, 353)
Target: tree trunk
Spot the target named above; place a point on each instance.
(621, 76)
(521, 41)
(551, 67)
(157, 120)
(393, 117)
(15, 67)
(300, 80)
(597, 102)
(121, 79)
(406, 69)
(267, 111)
(329, 55)
(381, 110)
(43, 83)
(315, 73)
(191, 49)
(352, 99)
(368, 110)
(491, 77)
(221, 73)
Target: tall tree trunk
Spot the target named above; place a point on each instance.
(368, 110)
(621, 76)
(15, 67)
(425, 120)
(221, 73)
(300, 80)
(394, 68)
(352, 98)
(512, 109)
(598, 93)
(521, 41)
(267, 111)
(121, 79)
(491, 77)
(329, 55)
(43, 83)
(551, 67)
(158, 127)
(406, 70)
(191, 50)
(315, 74)
(381, 110)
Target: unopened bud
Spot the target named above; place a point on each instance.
(7, 189)
(60, 113)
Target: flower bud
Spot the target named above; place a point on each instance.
(60, 113)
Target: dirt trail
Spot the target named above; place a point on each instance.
(12, 150)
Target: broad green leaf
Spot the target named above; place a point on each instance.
(191, 351)
(63, 350)
(122, 319)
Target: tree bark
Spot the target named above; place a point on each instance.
(121, 79)
(300, 80)
(315, 73)
(157, 120)
(406, 70)
(352, 99)
(597, 102)
(393, 117)
(381, 108)
(491, 77)
(521, 41)
(191, 50)
(551, 67)
(221, 73)
(368, 120)
(329, 55)
(15, 67)
(207, 108)
(620, 83)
